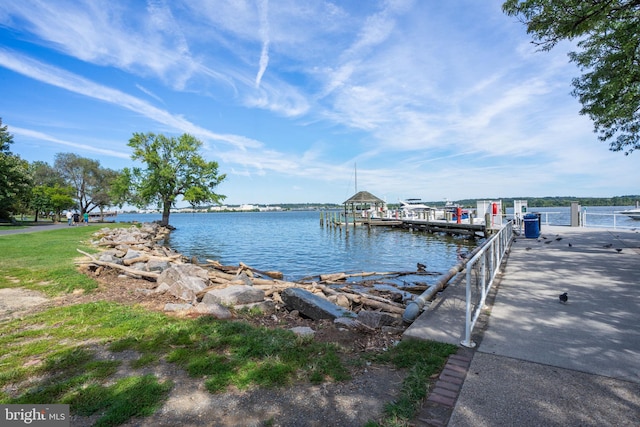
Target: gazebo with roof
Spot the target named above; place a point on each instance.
(360, 201)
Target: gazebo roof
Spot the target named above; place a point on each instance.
(363, 197)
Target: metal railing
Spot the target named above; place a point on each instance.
(618, 220)
(615, 220)
(481, 269)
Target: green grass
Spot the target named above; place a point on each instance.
(44, 260)
(422, 359)
(50, 356)
(221, 353)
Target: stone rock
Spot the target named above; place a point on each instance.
(245, 279)
(140, 266)
(132, 254)
(266, 306)
(177, 307)
(213, 309)
(303, 331)
(340, 300)
(375, 319)
(312, 306)
(349, 322)
(161, 288)
(184, 280)
(157, 266)
(109, 257)
(234, 295)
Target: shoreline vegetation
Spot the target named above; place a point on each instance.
(71, 349)
(537, 202)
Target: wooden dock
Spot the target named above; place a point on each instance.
(450, 227)
(430, 226)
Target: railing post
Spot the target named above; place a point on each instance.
(467, 323)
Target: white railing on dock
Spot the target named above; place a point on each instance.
(481, 270)
(617, 219)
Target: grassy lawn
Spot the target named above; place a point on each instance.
(50, 356)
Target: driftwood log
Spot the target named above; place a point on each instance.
(271, 282)
(125, 269)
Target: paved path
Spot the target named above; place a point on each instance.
(30, 229)
(542, 363)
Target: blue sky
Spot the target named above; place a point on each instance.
(430, 99)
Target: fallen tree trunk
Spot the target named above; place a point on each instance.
(113, 243)
(127, 270)
(374, 297)
(272, 274)
(146, 258)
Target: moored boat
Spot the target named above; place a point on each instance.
(632, 213)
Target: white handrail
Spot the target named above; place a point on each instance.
(489, 259)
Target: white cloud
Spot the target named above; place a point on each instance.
(28, 133)
(74, 83)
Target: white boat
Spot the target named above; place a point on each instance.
(416, 209)
(632, 213)
(413, 204)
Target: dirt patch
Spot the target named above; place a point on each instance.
(14, 301)
(347, 403)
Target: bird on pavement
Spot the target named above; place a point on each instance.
(619, 250)
(558, 238)
(564, 298)
(570, 245)
(547, 242)
(528, 249)
(608, 245)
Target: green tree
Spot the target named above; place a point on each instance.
(51, 200)
(6, 139)
(45, 174)
(174, 168)
(15, 179)
(49, 193)
(88, 179)
(608, 34)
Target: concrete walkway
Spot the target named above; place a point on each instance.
(32, 228)
(543, 363)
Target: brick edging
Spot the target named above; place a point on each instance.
(450, 380)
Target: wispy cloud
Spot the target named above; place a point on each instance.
(63, 79)
(28, 133)
(263, 7)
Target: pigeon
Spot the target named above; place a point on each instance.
(608, 245)
(558, 238)
(528, 249)
(619, 250)
(564, 298)
(547, 242)
(570, 245)
(421, 267)
(544, 237)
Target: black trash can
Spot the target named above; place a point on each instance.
(531, 226)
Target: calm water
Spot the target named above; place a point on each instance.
(295, 243)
